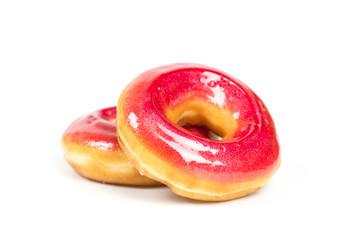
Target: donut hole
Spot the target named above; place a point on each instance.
(197, 126)
(219, 121)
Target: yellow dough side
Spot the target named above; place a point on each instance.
(103, 166)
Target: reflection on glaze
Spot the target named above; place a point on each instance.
(189, 150)
(209, 78)
(197, 146)
(95, 130)
(218, 94)
(133, 121)
(98, 129)
(251, 151)
(236, 115)
(103, 145)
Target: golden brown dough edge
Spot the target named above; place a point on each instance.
(103, 166)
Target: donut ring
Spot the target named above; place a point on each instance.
(155, 104)
(91, 148)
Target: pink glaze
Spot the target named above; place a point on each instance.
(252, 152)
(198, 131)
(96, 130)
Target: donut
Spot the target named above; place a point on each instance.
(152, 110)
(91, 148)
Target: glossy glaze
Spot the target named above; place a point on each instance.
(98, 130)
(198, 131)
(95, 130)
(251, 151)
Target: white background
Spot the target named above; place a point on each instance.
(61, 59)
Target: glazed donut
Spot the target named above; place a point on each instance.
(91, 148)
(154, 106)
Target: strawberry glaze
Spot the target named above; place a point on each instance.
(98, 130)
(198, 131)
(252, 151)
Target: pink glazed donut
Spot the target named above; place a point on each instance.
(154, 106)
(91, 148)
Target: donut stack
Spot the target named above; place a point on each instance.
(198, 130)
